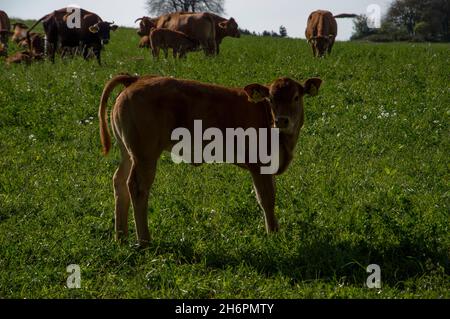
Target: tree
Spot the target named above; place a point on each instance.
(159, 7)
(283, 31)
(361, 27)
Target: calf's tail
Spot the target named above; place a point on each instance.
(105, 135)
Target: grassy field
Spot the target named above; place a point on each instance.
(369, 183)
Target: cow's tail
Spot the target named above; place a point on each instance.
(31, 29)
(345, 15)
(105, 136)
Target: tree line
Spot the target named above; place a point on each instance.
(409, 20)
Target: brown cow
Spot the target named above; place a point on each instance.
(166, 39)
(149, 109)
(5, 31)
(198, 26)
(223, 27)
(321, 32)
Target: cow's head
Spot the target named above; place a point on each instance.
(103, 30)
(19, 32)
(230, 28)
(145, 26)
(285, 97)
(321, 43)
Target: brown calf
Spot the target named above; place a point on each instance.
(150, 108)
(166, 39)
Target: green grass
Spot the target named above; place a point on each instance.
(369, 183)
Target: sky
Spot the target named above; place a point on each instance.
(255, 15)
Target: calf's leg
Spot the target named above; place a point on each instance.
(141, 178)
(265, 193)
(122, 195)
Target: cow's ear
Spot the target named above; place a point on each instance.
(114, 27)
(223, 24)
(94, 28)
(312, 86)
(257, 93)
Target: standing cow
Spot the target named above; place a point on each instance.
(177, 21)
(92, 32)
(321, 32)
(5, 31)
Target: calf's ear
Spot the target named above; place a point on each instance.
(223, 25)
(94, 28)
(312, 86)
(114, 27)
(257, 93)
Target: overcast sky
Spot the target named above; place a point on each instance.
(255, 15)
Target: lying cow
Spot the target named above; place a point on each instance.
(144, 43)
(19, 32)
(150, 108)
(321, 32)
(166, 39)
(20, 57)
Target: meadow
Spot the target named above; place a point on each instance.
(369, 183)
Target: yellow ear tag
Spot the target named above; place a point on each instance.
(313, 91)
(257, 97)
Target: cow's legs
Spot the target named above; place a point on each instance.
(155, 52)
(330, 46)
(166, 53)
(121, 194)
(265, 194)
(139, 183)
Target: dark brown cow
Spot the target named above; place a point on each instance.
(149, 109)
(166, 39)
(5, 31)
(321, 32)
(198, 26)
(92, 33)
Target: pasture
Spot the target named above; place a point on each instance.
(369, 183)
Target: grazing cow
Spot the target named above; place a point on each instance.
(198, 26)
(92, 33)
(166, 39)
(5, 31)
(321, 32)
(150, 108)
(145, 42)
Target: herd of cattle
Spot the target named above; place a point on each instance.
(182, 32)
